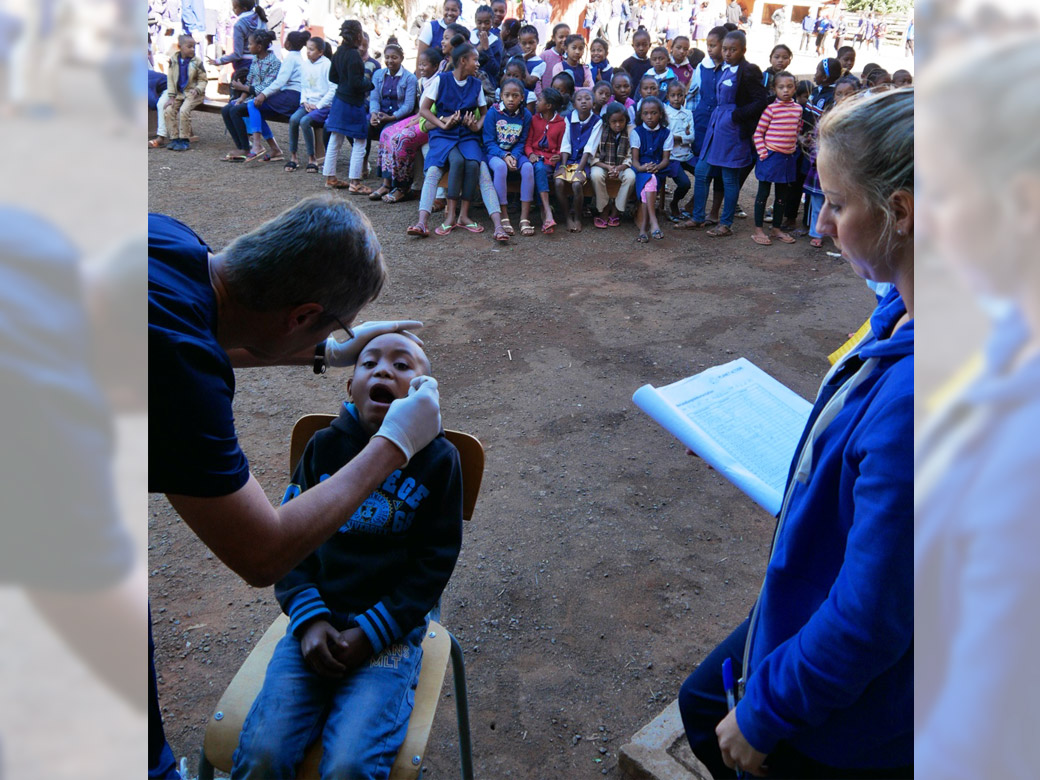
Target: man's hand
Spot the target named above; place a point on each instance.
(345, 353)
(316, 648)
(413, 422)
(352, 648)
(737, 752)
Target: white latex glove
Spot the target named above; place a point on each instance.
(345, 353)
(413, 422)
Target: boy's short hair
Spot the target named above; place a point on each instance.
(424, 359)
(184, 38)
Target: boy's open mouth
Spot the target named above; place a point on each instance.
(382, 394)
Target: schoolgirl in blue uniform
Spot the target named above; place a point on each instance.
(433, 31)
(651, 142)
(574, 157)
(601, 68)
(727, 145)
(455, 137)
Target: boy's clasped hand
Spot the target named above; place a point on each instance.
(332, 653)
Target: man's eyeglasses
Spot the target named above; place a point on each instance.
(350, 333)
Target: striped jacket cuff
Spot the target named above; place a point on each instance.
(380, 628)
(306, 606)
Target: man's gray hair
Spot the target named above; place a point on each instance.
(322, 250)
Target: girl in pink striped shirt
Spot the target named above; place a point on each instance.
(776, 139)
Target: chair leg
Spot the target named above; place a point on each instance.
(458, 670)
(205, 767)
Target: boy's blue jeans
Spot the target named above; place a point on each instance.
(703, 174)
(367, 714)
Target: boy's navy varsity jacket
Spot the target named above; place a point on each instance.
(386, 567)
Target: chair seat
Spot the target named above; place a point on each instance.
(224, 726)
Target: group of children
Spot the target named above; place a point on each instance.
(489, 105)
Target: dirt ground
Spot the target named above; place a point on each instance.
(602, 562)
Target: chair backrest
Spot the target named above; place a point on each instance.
(471, 455)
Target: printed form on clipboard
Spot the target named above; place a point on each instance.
(737, 418)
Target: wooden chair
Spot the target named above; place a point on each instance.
(439, 645)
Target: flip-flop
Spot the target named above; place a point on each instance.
(157, 143)
(642, 239)
(290, 167)
(785, 239)
(657, 234)
(816, 243)
(613, 221)
(689, 225)
(253, 157)
(444, 229)
(312, 168)
(501, 236)
(233, 158)
(273, 157)
(418, 230)
(761, 241)
(472, 227)
(600, 223)
(548, 226)
(719, 231)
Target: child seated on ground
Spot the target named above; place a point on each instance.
(185, 91)
(357, 607)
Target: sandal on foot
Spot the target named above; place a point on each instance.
(396, 195)
(253, 156)
(274, 157)
(709, 222)
(764, 241)
(439, 204)
(613, 221)
(157, 143)
(234, 158)
(443, 229)
(784, 238)
(719, 231)
(507, 226)
(689, 225)
(418, 230)
(378, 194)
(290, 166)
(501, 236)
(472, 227)
(332, 183)
(312, 168)
(817, 243)
(600, 223)
(526, 228)
(359, 189)
(657, 234)
(548, 226)
(642, 238)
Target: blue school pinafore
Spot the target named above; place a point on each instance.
(705, 106)
(651, 150)
(451, 98)
(723, 145)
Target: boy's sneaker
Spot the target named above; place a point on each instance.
(174, 145)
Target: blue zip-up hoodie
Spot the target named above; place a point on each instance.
(386, 567)
(830, 648)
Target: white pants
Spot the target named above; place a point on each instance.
(599, 186)
(160, 125)
(357, 155)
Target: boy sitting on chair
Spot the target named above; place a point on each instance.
(357, 606)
